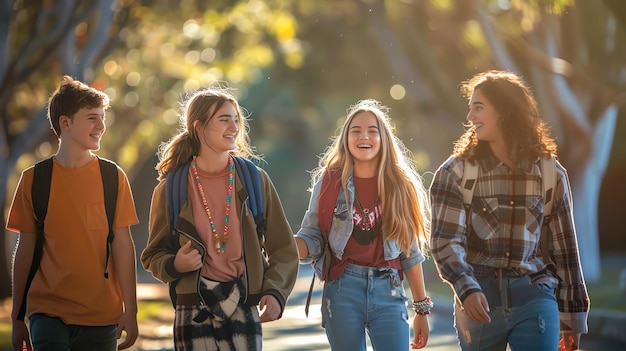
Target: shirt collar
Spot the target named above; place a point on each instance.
(490, 162)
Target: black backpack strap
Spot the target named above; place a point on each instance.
(40, 194)
(249, 176)
(108, 172)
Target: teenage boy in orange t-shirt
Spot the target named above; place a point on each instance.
(71, 302)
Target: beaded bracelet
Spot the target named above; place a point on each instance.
(422, 307)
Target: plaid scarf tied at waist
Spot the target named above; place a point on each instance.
(221, 299)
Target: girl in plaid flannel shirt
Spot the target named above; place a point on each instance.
(506, 293)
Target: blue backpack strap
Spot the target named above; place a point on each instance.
(249, 176)
(176, 182)
(108, 172)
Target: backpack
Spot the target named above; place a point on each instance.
(327, 204)
(548, 185)
(176, 182)
(41, 194)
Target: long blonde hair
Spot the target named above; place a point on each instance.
(186, 143)
(400, 187)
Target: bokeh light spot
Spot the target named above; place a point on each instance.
(397, 92)
(133, 79)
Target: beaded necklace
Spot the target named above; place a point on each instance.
(220, 243)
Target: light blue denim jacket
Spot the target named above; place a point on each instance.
(341, 230)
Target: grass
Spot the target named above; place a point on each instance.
(147, 310)
(5, 335)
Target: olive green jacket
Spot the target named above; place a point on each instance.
(271, 267)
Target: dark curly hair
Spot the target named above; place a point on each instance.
(525, 132)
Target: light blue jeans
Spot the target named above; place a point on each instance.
(529, 324)
(52, 334)
(366, 299)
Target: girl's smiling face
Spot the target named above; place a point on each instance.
(364, 137)
(484, 118)
(220, 133)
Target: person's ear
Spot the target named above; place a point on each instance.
(196, 124)
(64, 122)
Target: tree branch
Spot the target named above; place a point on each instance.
(499, 50)
(98, 38)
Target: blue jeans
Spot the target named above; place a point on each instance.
(366, 299)
(52, 334)
(529, 324)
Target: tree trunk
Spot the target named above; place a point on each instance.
(586, 191)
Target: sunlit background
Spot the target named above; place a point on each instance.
(298, 65)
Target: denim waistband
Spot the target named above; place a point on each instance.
(482, 272)
(354, 269)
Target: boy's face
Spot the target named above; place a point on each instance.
(85, 130)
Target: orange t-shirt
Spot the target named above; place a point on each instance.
(70, 283)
